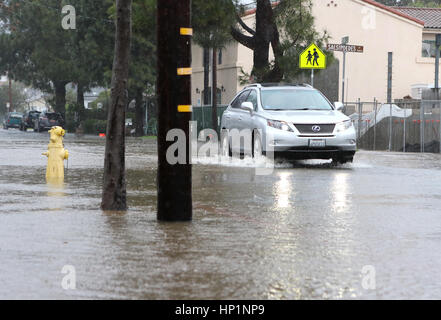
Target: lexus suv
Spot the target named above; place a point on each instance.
(293, 121)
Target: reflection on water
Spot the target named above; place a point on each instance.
(282, 190)
(339, 190)
(56, 193)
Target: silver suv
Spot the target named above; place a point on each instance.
(294, 121)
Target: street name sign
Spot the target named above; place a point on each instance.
(344, 47)
(312, 58)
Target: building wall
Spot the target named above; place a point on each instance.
(227, 74)
(379, 31)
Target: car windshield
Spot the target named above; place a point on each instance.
(289, 99)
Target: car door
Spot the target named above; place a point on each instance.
(233, 113)
(247, 118)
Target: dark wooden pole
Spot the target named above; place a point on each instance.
(114, 185)
(214, 91)
(174, 94)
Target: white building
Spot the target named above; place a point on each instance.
(406, 32)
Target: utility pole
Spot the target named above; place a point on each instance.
(174, 94)
(214, 91)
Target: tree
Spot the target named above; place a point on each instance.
(287, 28)
(19, 97)
(212, 20)
(37, 52)
(142, 71)
(41, 53)
(114, 185)
(90, 46)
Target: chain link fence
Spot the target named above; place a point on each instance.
(406, 125)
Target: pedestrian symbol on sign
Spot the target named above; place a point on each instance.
(312, 58)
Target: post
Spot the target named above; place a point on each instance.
(438, 44)
(10, 94)
(422, 128)
(375, 123)
(343, 79)
(360, 111)
(389, 95)
(404, 130)
(214, 91)
(312, 77)
(344, 40)
(174, 92)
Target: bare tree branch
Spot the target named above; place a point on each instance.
(244, 26)
(243, 39)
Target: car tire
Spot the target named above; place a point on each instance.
(225, 144)
(342, 160)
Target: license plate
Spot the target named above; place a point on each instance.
(317, 143)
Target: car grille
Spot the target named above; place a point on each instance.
(307, 128)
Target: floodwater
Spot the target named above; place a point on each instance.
(305, 231)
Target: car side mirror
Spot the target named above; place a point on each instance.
(339, 106)
(247, 106)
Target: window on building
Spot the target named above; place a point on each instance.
(429, 49)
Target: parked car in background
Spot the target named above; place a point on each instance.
(29, 119)
(302, 122)
(12, 120)
(47, 120)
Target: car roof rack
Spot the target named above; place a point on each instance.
(278, 84)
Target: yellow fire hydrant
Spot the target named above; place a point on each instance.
(56, 154)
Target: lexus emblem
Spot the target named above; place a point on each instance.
(316, 128)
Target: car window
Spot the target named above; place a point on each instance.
(291, 99)
(241, 98)
(253, 99)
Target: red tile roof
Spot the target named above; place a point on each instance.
(393, 10)
(430, 16)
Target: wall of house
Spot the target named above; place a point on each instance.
(379, 31)
(227, 74)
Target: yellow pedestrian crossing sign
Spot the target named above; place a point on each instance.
(312, 58)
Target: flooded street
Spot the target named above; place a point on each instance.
(304, 232)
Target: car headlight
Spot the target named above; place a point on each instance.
(342, 126)
(281, 125)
